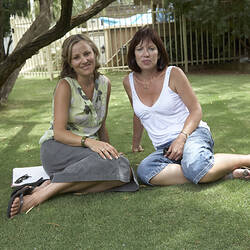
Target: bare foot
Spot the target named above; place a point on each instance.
(241, 173)
(43, 185)
(26, 204)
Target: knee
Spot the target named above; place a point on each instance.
(208, 177)
(155, 181)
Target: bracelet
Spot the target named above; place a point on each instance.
(186, 134)
(83, 141)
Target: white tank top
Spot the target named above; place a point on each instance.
(165, 119)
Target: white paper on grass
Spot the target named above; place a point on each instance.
(35, 174)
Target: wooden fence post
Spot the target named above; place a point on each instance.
(49, 62)
(184, 30)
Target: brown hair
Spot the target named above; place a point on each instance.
(68, 43)
(147, 33)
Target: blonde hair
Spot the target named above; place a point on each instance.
(67, 70)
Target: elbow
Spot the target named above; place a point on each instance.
(196, 113)
(199, 113)
(57, 135)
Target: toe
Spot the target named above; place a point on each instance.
(241, 174)
(15, 207)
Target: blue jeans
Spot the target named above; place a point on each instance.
(197, 158)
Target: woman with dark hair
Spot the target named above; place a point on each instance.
(148, 35)
(75, 150)
(165, 104)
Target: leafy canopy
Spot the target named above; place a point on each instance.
(225, 15)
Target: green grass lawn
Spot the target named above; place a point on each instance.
(211, 216)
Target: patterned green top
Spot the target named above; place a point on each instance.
(85, 116)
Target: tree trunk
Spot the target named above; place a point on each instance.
(8, 86)
(40, 25)
(39, 36)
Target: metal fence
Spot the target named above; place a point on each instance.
(187, 42)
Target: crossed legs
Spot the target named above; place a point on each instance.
(198, 152)
(171, 175)
(223, 165)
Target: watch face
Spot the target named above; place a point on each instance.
(83, 141)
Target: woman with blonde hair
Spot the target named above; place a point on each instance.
(75, 150)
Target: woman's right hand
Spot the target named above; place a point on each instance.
(139, 148)
(104, 149)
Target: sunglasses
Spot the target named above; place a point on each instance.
(22, 178)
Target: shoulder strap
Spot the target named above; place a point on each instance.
(167, 75)
(131, 83)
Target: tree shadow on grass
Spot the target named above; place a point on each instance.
(207, 216)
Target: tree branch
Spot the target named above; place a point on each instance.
(40, 25)
(64, 24)
(90, 12)
(66, 13)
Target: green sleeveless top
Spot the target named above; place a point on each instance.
(85, 116)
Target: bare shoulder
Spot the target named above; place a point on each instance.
(126, 85)
(177, 79)
(126, 81)
(177, 72)
(62, 84)
(62, 90)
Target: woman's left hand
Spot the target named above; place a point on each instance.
(104, 149)
(175, 150)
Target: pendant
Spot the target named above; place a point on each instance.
(146, 86)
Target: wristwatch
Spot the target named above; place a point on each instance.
(83, 141)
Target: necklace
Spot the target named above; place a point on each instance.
(152, 80)
(144, 83)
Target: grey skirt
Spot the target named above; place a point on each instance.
(64, 163)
